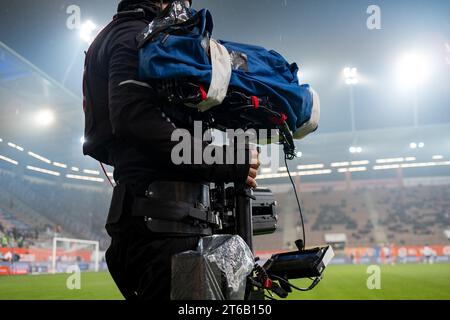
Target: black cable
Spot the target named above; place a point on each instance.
(106, 175)
(312, 286)
(298, 201)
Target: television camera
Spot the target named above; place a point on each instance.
(242, 211)
(250, 88)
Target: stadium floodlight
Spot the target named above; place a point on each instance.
(60, 165)
(299, 154)
(84, 178)
(87, 30)
(340, 164)
(360, 163)
(44, 118)
(387, 167)
(15, 146)
(350, 170)
(413, 69)
(311, 166)
(45, 171)
(40, 158)
(94, 172)
(351, 80)
(354, 150)
(351, 76)
(417, 145)
(391, 160)
(14, 162)
(313, 172)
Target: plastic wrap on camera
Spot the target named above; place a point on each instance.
(217, 270)
(179, 12)
(233, 257)
(239, 61)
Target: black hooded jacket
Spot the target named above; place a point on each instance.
(124, 118)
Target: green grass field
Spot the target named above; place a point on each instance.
(340, 282)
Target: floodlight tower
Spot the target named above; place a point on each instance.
(44, 118)
(412, 71)
(351, 80)
(87, 32)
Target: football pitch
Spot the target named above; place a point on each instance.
(418, 282)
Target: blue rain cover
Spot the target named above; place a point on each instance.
(267, 73)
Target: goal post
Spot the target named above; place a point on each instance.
(95, 255)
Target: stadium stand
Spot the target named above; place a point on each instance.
(51, 208)
(412, 215)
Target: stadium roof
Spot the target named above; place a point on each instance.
(381, 143)
(25, 90)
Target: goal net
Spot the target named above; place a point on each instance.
(67, 253)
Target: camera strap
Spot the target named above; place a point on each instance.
(174, 227)
(161, 215)
(169, 210)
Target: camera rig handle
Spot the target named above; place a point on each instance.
(244, 222)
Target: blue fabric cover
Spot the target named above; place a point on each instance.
(268, 74)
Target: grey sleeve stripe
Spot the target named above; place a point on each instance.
(138, 83)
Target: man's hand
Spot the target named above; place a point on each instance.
(254, 166)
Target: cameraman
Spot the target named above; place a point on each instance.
(126, 128)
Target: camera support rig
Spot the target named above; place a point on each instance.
(243, 211)
(247, 213)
